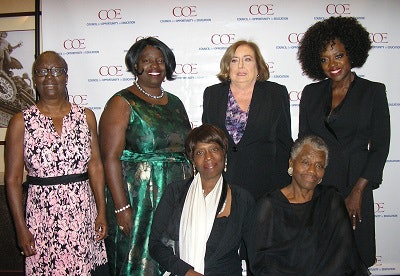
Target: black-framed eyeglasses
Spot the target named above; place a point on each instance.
(54, 71)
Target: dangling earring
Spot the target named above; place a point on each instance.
(290, 171)
(226, 164)
(319, 182)
(194, 170)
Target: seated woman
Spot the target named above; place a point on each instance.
(304, 228)
(199, 223)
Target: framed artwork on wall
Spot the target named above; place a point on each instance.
(17, 51)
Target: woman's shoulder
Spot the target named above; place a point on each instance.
(316, 86)
(217, 87)
(242, 195)
(270, 89)
(125, 93)
(315, 90)
(373, 85)
(121, 99)
(79, 108)
(173, 97)
(30, 109)
(270, 84)
(176, 188)
(327, 193)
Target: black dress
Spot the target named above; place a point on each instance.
(312, 238)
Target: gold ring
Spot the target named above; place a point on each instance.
(121, 228)
(22, 253)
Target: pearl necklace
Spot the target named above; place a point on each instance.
(148, 94)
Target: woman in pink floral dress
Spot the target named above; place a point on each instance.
(65, 223)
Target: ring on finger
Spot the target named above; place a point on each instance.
(354, 216)
(121, 228)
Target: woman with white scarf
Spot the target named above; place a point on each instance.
(200, 222)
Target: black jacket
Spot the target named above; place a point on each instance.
(259, 162)
(164, 236)
(358, 140)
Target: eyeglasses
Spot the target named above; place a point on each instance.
(55, 71)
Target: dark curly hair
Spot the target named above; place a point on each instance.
(348, 30)
(133, 55)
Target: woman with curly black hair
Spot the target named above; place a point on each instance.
(351, 114)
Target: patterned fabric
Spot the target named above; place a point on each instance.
(152, 158)
(236, 118)
(61, 217)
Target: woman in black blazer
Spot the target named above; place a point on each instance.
(351, 114)
(254, 114)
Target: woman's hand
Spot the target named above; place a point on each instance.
(26, 242)
(101, 227)
(354, 201)
(124, 221)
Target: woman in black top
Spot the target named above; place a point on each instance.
(199, 223)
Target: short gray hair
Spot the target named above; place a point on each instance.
(315, 141)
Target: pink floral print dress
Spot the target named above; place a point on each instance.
(60, 217)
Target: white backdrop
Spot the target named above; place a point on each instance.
(93, 36)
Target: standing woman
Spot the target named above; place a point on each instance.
(351, 114)
(142, 132)
(63, 230)
(254, 114)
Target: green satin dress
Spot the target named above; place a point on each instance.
(152, 158)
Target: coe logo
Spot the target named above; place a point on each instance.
(143, 37)
(187, 69)
(111, 14)
(295, 96)
(338, 9)
(78, 99)
(187, 11)
(263, 9)
(112, 71)
(295, 37)
(218, 39)
(379, 207)
(379, 37)
(74, 44)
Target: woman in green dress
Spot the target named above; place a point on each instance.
(142, 132)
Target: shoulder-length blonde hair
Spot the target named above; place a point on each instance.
(262, 67)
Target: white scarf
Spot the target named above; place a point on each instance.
(197, 219)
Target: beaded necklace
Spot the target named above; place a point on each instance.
(148, 94)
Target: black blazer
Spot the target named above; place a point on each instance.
(259, 161)
(358, 142)
(164, 236)
(359, 138)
